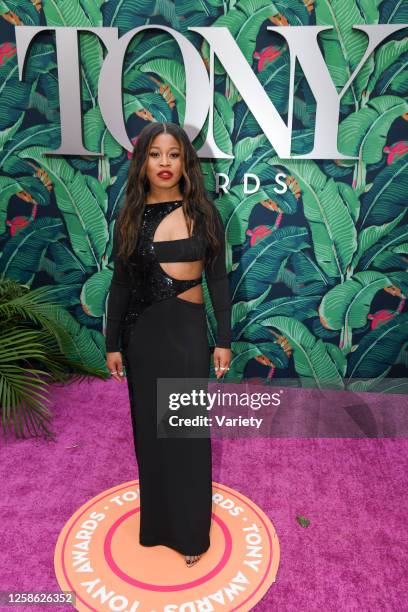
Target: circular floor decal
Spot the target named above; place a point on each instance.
(98, 556)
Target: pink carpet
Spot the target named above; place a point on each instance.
(352, 556)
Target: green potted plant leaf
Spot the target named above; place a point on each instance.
(40, 344)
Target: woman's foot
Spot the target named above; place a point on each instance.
(192, 559)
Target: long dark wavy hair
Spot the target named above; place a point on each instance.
(197, 205)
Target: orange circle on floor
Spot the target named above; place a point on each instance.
(99, 558)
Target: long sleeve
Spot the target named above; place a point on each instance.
(119, 296)
(218, 288)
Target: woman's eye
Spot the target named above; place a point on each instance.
(155, 154)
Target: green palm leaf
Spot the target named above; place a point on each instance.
(347, 305)
(371, 235)
(363, 134)
(65, 13)
(243, 21)
(343, 46)
(34, 336)
(172, 73)
(22, 255)
(25, 10)
(396, 237)
(386, 198)
(86, 223)
(313, 361)
(242, 353)
(385, 56)
(327, 209)
(377, 352)
(260, 265)
(394, 11)
(290, 306)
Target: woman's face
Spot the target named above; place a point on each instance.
(164, 163)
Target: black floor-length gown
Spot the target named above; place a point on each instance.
(162, 335)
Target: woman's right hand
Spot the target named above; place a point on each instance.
(115, 366)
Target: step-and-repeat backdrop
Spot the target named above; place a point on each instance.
(298, 110)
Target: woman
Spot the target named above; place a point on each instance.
(156, 321)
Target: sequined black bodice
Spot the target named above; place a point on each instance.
(151, 283)
(141, 281)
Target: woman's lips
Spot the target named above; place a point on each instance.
(165, 175)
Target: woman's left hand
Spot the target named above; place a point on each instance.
(222, 360)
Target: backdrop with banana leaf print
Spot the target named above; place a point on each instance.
(318, 275)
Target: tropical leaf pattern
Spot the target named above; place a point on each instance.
(318, 273)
